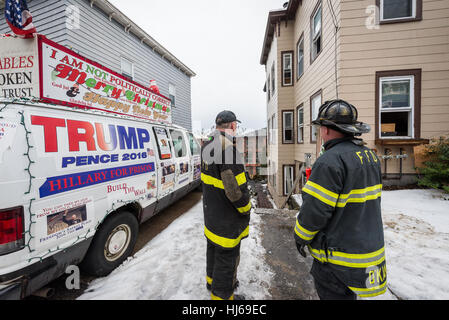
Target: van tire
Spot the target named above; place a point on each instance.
(113, 242)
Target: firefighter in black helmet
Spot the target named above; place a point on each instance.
(226, 205)
(340, 220)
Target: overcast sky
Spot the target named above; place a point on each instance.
(221, 41)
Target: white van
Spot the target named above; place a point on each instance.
(86, 155)
(74, 186)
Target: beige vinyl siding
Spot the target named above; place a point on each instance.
(285, 102)
(409, 45)
(320, 75)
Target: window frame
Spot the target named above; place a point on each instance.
(316, 94)
(318, 6)
(300, 41)
(293, 167)
(299, 126)
(170, 95)
(195, 142)
(184, 154)
(124, 73)
(416, 10)
(292, 69)
(273, 78)
(415, 128)
(292, 112)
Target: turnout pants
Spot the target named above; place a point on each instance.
(327, 285)
(221, 270)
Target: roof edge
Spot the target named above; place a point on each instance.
(114, 13)
(275, 16)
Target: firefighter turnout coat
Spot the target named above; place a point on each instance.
(226, 198)
(340, 219)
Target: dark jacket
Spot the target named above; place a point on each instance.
(340, 219)
(226, 199)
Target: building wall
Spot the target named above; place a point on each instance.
(361, 52)
(318, 75)
(407, 45)
(105, 41)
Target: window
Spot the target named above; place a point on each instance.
(269, 131)
(273, 75)
(178, 143)
(287, 68)
(316, 32)
(289, 178)
(287, 126)
(398, 104)
(127, 68)
(195, 148)
(315, 104)
(268, 87)
(300, 56)
(172, 94)
(399, 10)
(273, 129)
(300, 113)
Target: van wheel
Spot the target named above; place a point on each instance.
(112, 244)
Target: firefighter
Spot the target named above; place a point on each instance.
(340, 220)
(226, 205)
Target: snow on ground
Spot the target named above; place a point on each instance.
(416, 224)
(172, 266)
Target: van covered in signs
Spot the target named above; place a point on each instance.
(86, 155)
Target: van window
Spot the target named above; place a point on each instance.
(162, 143)
(178, 143)
(194, 146)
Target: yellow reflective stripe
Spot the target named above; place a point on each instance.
(360, 195)
(217, 183)
(319, 197)
(241, 178)
(212, 181)
(209, 280)
(245, 208)
(351, 260)
(324, 190)
(303, 233)
(214, 297)
(370, 292)
(225, 242)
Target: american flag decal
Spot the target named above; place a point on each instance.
(19, 18)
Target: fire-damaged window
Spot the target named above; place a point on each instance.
(396, 106)
(127, 68)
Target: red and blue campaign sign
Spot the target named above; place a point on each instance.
(60, 184)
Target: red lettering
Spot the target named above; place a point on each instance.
(53, 54)
(55, 185)
(31, 62)
(75, 137)
(50, 132)
(64, 72)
